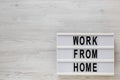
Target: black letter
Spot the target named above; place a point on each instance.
(88, 67)
(81, 53)
(88, 39)
(75, 52)
(94, 53)
(75, 40)
(75, 67)
(82, 67)
(82, 40)
(94, 67)
(88, 53)
(94, 40)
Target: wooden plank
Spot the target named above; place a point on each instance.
(28, 29)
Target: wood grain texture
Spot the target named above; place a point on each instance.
(28, 34)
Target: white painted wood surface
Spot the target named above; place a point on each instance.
(28, 34)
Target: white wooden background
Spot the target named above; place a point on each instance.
(28, 34)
